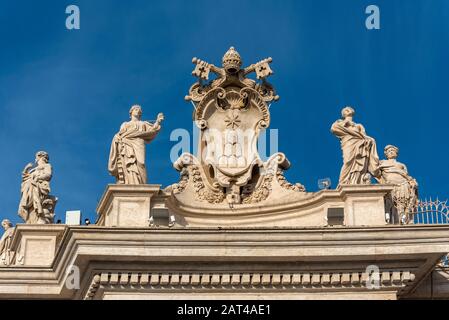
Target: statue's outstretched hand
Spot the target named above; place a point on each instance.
(377, 173)
(160, 118)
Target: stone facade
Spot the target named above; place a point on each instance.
(232, 227)
(224, 263)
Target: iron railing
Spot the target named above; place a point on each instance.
(432, 212)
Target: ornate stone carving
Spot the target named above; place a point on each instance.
(288, 185)
(404, 196)
(360, 159)
(261, 192)
(273, 170)
(191, 173)
(230, 112)
(230, 73)
(127, 155)
(182, 184)
(6, 255)
(36, 204)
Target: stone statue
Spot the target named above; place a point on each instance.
(360, 159)
(127, 156)
(6, 255)
(404, 196)
(36, 204)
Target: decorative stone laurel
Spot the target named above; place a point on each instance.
(183, 182)
(201, 191)
(190, 174)
(261, 193)
(287, 185)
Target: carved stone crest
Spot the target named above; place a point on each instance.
(230, 111)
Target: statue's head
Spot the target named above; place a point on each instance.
(391, 152)
(232, 61)
(135, 111)
(42, 155)
(6, 224)
(347, 112)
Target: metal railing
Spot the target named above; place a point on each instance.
(432, 212)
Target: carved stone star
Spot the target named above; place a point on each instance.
(232, 121)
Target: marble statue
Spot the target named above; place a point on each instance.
(6, 255)
(360, 159)
(127, 156)
(36, 204)
(405, 193)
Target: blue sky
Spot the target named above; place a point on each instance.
(67, 92)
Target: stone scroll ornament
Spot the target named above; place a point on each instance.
(230, 110)
(127, 155)
(360, 158)
(404, 197)
(37, 206)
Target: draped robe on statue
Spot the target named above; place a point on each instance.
(5, 247)
(35, 190)
(127, 156)
(359, 153)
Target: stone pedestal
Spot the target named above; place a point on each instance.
(126, 205)
(364, 205)
(36, 245)
(348, 205)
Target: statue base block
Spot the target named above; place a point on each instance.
(126, 205)
(364, 205)
(348, 205)
(36, 245)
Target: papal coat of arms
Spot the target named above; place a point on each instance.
(231, 110)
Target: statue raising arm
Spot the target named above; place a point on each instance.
(127, 153)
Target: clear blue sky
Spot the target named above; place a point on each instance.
(67, 92)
